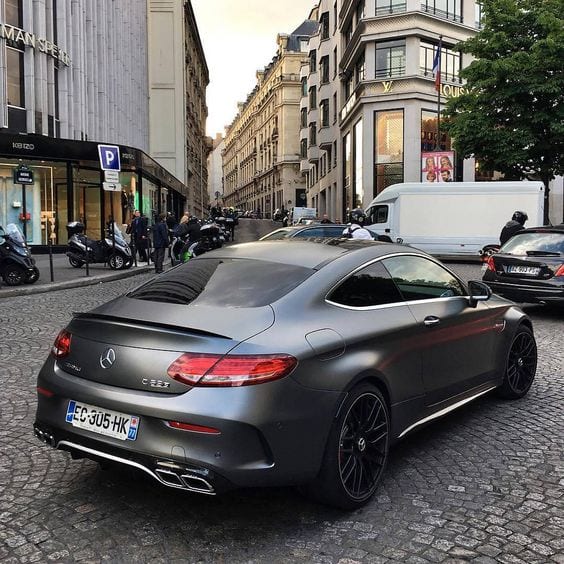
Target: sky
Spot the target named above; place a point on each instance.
(239, 38)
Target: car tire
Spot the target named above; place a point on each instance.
(520, 365)
(356, 451)
(13, 275)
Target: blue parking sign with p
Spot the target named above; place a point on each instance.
(109, 157)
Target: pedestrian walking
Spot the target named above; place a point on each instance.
(139, 235)
(160, 242)
(325, 219)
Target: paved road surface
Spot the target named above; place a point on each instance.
(484, 484)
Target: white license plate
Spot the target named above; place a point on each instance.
(102, 421)
(515, 269)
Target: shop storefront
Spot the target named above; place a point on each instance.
(68, 186)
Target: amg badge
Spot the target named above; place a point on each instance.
(155, 383)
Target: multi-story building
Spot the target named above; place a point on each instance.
(215, 170)
(381, 99)
(178, 77)
(319, 111)
(371, 68)
(71, 79)
(261, 159)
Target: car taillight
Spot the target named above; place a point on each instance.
(560, 271)
(231, 370)
(490, 263)
(61, 346)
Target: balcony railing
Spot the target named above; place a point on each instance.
(393, 8)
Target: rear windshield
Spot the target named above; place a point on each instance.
(523, 243)
(223, 282)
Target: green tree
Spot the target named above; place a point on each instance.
(512, 116)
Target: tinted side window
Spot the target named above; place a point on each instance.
(370, 286)
(419, 278)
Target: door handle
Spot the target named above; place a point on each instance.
(431, 320)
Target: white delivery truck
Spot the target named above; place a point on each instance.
(455, 218)
(298, 213)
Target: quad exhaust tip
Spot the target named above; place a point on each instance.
(168, 473)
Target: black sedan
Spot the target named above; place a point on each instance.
(279, 363)
(529, 267)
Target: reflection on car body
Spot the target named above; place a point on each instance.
(388, 339)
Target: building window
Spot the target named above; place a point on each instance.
(312, 61)
(335, 16)
(390, 59)
(324, 107)
(384, 7)
(347, 34)
(15, 77)
(451, 62)
(303, 148)
(13, 11)
(349, 86)
(359, 69)
(304, 86)
(359, 12)
(347, 189)
(324, 68)
(324, 25)
(388, 132)
(312, 98)
(447, 9)
(335, 62)
(478, 14)
(335, 107)
(303, 117)
(304, 43)
(312, 134)
(358, 196)
(429, 134)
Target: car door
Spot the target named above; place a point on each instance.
(456, 340)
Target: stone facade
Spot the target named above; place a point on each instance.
(261, 163)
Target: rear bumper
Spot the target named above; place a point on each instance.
(527, 293)
(270, 435)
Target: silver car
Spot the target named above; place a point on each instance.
(279, 363)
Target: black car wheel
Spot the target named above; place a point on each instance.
(33, 276)
(356, 451)
(128, 263)
(75, 263)
(116, 262)
(13, 275)
(521, 365)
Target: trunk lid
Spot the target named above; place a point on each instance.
(131, 343)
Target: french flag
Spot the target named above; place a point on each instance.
(437, 67)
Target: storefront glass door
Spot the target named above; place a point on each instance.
(87, 202)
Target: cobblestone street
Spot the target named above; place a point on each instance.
(484, 484)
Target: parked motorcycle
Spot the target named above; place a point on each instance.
(98, 251)
(16, 263)
(209, 238)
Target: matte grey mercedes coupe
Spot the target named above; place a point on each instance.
(279, 363)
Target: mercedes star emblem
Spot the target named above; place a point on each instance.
(108, 358)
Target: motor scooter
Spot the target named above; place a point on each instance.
(98, 251)
(16, 263)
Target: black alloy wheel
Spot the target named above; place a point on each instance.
(521, 365)
(33, 276)
(356, 452)
(13, 275)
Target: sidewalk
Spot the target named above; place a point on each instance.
(65, 276)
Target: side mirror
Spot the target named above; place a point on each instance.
(478, 292)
